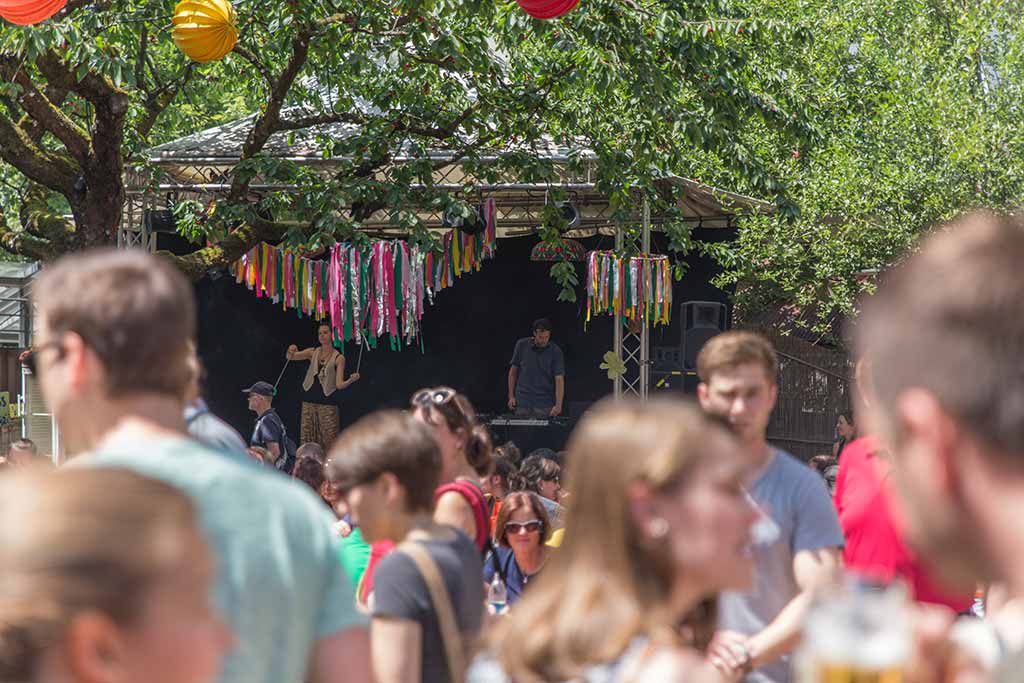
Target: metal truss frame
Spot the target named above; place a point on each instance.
(630, 340)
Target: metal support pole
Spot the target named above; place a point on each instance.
(645, 366)
(617, 324)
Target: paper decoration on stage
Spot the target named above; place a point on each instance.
(548, 9)
(28, 12)
(204, 29)
(371, 293)
(613, 364)
(637, 288)
(568, 249)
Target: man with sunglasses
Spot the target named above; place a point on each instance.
(114, 361)
(536, 377)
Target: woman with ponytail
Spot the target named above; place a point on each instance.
(466, 456)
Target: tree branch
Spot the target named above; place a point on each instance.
(21, 242)
(48, 115)
(160, 99)
(40, 221)
(93, 86)
(250, 57)
(140, 61)
(268, 122)
(110, 106)
(38, 165)
(321, 119)
(230, 249)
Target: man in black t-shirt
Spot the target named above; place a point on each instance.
(270, 432)
(536, 375)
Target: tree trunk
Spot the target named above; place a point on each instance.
(98, 212)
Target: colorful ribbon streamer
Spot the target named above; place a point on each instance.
(367, 294)
(638, 288)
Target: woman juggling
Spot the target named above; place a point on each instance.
(325, 376)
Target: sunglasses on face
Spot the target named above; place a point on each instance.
(31, 360)
(529, 527)
(433, 397)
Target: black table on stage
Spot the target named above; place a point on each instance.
(528, 433)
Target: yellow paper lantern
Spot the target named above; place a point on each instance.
(205, 29)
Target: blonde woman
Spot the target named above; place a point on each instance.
(325, 376)
(658, 524)
(100, 587)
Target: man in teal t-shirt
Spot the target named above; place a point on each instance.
(113, 359)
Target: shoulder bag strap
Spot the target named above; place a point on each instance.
(442, 607)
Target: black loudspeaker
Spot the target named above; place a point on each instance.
(702, 320)
(159, 220)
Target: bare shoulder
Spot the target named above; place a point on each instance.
(452, 502)
(454, 510)
(667, 665)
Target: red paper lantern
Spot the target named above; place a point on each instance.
(548, 9)
(27, 12)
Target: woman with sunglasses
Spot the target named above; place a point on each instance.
(522, 531)
(466, 455)
(654, 535)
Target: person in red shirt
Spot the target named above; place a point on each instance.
(874, 541)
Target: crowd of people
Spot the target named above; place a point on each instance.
(670, 541)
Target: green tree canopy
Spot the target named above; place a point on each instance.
(917, 105)
(651, 87)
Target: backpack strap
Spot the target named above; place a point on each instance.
(453, 646)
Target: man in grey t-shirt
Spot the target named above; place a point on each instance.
(536, 378)
(796, 541)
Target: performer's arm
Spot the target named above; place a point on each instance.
(513, 377)
(340, 380)
(294, 353)
(559, 395)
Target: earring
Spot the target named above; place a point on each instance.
(657, 527)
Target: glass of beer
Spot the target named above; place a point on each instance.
(856, 632)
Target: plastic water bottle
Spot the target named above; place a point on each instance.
(497, 595)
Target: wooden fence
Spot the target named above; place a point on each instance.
(815, 385)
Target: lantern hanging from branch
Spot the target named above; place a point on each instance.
(28, 12)
(204, 29)
(547, 9)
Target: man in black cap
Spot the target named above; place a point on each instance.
(269, 432)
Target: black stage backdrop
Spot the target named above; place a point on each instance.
(468, 335)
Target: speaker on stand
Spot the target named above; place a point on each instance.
(674, 368)
(701, 320)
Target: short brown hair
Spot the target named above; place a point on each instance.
(388, 441)
(946, 321)
(134, 310)
(734, 348)
(516, 501)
